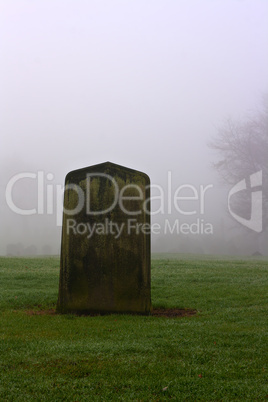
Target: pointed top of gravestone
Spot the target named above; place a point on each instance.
(100, 167)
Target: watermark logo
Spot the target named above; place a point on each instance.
(131, 225)
(255, 221)
(46, 198)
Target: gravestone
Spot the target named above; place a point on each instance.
(105, 249)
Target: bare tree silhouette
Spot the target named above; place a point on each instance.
(242, 149)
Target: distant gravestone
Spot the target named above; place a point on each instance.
(105, 250)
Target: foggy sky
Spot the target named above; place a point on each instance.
(144, 84)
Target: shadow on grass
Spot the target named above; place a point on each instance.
(157, 312)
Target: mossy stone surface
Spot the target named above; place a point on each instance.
(104, 271)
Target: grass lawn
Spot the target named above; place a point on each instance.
(219, 354)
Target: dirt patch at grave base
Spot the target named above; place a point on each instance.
(173, 312)
(157, 312)
(51, 311)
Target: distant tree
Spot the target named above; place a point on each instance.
(47, 250)
(242, 149)
(15, 249)
(30, 250)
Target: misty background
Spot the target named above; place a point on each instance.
(144, 84)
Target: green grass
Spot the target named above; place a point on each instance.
(219, 354)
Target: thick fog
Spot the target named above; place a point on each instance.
(144, 84)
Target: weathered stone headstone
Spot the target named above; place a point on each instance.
(105, 250)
